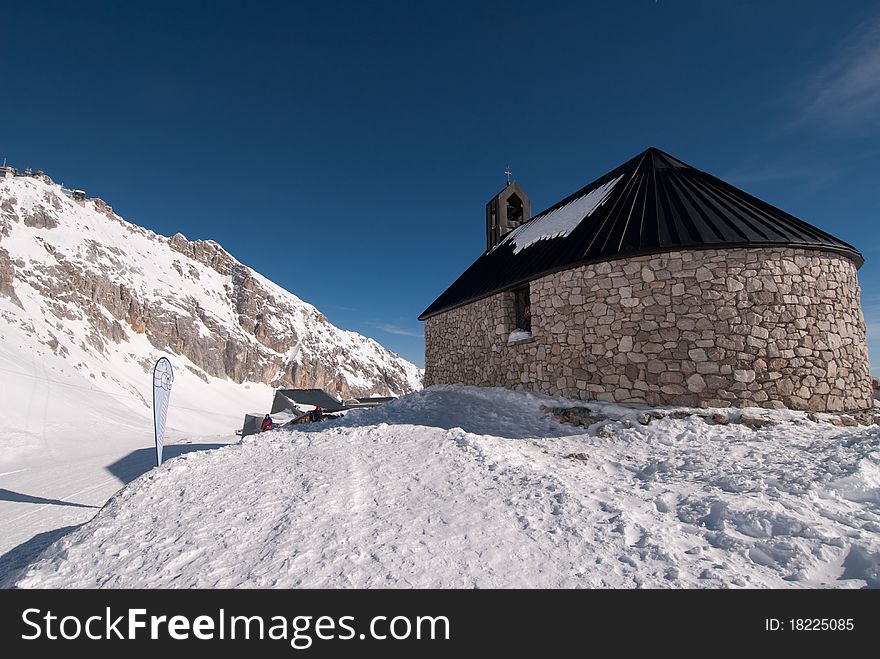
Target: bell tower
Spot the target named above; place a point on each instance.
(506, 211)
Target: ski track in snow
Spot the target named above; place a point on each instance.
(465, 487)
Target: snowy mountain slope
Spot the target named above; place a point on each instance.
(464, 487)
(89, 301)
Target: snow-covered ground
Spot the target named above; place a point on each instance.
(464, 487)
(62, 432)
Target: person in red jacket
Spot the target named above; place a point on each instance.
(267, 424)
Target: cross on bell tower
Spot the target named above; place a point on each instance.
(508, 173)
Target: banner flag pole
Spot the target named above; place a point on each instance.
(163, 378)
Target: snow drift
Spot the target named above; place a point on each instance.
(465, 487)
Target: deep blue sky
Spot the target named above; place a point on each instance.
(374, 133)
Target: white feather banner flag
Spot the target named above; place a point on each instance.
(163, 378)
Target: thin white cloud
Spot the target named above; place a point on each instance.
(805, 168)
(400, 331)
(845, 94)
(778, 171)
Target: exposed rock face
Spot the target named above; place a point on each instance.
(77, 263)
(7, 274)
(774, 327)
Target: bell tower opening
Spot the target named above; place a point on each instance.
(514, 211)
(505, 212)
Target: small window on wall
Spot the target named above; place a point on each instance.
(522, 309)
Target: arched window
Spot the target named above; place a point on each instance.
(514, 211)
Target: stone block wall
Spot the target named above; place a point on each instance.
(774, 327)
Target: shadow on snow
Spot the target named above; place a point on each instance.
(126, 469)
(20, 497)
(14, 562)
(142, 460)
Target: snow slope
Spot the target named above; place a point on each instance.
(89, 302)
(465, 487)
(62, 431)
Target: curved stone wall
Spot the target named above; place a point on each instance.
(775, 327)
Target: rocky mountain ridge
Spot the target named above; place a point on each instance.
(74, 274)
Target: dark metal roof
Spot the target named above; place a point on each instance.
(313, 397)
(658, 204)
(376, 399)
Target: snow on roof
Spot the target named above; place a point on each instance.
(559, 222)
